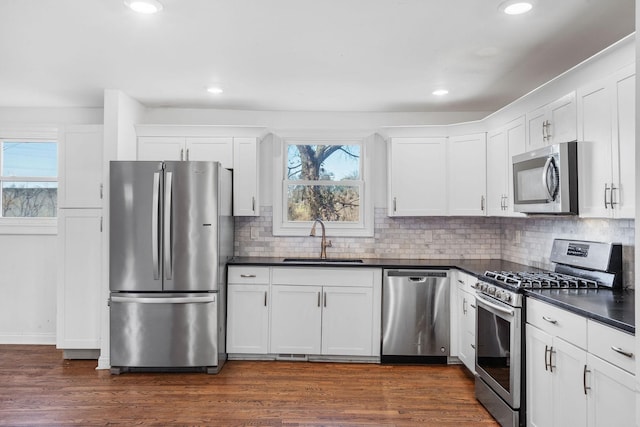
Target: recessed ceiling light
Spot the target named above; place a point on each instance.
(440, 92)
(214, 90)
(516, 7)
(144, 6)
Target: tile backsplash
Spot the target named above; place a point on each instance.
(523, 240)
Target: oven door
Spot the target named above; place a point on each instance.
(498, 347)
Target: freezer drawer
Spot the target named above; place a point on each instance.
(415, 315)
(164, 330)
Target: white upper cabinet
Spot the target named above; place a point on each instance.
(502, 145)
(246, 172)
(606, 146)
(417, 176)
(552, 123)
(186, 148)
(80, 164)
(467, 175)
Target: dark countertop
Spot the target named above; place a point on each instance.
(614, 308)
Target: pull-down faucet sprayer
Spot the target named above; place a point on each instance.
(323, 244)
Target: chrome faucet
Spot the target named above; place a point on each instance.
(323, 244)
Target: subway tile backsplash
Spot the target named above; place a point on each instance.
(523, 240)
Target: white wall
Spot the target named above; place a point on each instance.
(28, 289)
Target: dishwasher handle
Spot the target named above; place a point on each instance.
(416, 275)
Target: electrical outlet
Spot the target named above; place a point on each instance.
(254, 233)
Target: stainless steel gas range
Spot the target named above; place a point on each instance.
(500, 318)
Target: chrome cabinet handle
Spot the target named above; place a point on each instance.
(546, 351)
(318, 299)
(550, 320)
(461, 282)
(182, 154)
(101, 224)
(584, 379)
(101, 191)
(265, 298)
(395, 205)
(473, 346)
(253, 204)
(548, 133)
(325, 299)
(464, 306)
(606, 188)
(622, 352)
(473, 306)
(187, 154)
(248, 276)
(482, 203)
(611, 202)
(551, 353)
(544, 129)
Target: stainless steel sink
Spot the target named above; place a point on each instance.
(325, 261)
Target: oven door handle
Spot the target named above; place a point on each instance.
(486, 301)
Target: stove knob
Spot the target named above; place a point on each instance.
(507, 297)
(500, 295)
(492, 291)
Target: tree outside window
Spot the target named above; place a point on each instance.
(324, 181)
(28, 178)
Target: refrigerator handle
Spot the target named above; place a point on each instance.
(155, 213)
(166, 300)
(168, 273)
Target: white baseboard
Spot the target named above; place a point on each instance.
(104, 362)
(35, 339)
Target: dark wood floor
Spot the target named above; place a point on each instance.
(37, 387)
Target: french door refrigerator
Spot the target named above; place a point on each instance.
(171, 234)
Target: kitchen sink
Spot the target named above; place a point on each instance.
(326, 260)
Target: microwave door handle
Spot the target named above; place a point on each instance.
(545, 179)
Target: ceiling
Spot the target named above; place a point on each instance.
(297, 55)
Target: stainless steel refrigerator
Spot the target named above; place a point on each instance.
(171, 234)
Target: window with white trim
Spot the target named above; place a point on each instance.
(322, 179)
(28, 178)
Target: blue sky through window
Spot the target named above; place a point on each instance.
(29, 159)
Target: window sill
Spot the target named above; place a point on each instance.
(333, 230)
(31, 226)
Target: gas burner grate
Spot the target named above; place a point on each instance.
(545, 280)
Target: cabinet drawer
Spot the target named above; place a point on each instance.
(603, 339)
(558, 322)
(466, 282)
(248, 275)
(324, 276)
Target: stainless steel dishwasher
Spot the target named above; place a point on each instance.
(415, 316)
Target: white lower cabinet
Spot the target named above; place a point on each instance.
(79, 279)
(568, 385)
(466, 308)
(304, 311)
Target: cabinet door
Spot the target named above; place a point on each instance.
(160, 148)
(569, 399)
(624, 147)
(497, 162)
(81, 167)
(467, 175)
(594, 149)
(467, 324)
(538, 377)
(516, 139)
(611, 395)
(562, 118)
(536, 131)
(347, 321)
(248, 319)
(210, 149)
(417, 177)
(79, 278)
(296, 316)
(246, 172)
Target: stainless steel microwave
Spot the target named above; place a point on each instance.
(545, 181)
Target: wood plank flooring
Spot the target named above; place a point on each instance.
(38, 387)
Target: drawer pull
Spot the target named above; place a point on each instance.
(473, 346)
(248, 276)
(550, 320)
(622, 352)
(461, 282)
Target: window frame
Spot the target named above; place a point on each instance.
(283, 227)
(24, 225)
